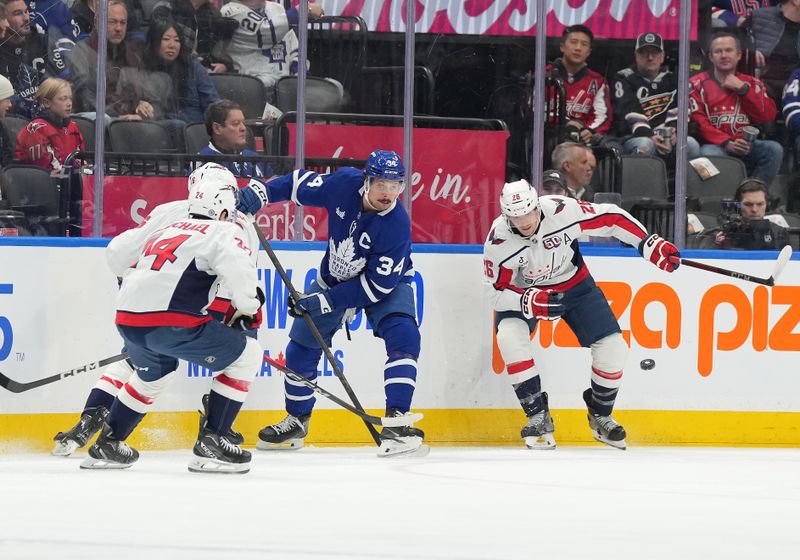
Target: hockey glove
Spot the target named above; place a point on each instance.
(253, 197)
(660, 252)
(250, 322)
(542, 304)
(314, 304)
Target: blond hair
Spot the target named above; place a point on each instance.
(49, 88)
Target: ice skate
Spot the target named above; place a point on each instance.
(604, 428)
(538, 432)
(78, 436)
(236, 438)
(110, 453)
(287, 434)
(213, 453)
(402, 440)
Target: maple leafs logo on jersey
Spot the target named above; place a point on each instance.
(341, 262)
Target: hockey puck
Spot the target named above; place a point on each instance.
(647, 364)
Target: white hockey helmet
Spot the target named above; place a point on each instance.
(212, 190)
(210, 172)
(518, 199)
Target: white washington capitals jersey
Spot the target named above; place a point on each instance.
(263, 46)
(125, 255)
(178, 269)
(551, 257)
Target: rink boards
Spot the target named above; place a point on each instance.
(725, 351)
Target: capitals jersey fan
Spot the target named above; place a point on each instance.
(721, 113)
(369, 253)
(550, 258)
(587, 96)
(263, 45)
(125, 251)
(640, 104)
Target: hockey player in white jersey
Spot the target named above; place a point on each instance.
(115, 375)
(162, 315)
(533, 270)
(264, 45)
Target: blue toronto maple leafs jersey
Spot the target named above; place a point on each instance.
(369, 253)
(791, 102)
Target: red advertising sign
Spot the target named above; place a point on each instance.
(455, 185)
(128, 200)
(609, 19)
(457, 174)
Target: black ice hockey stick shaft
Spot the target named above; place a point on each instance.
(368, 418)
(315, 332)
(783, 258)
(17, 387)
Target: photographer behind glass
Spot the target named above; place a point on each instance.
(745, 225)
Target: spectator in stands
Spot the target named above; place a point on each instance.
(25, 58)
(645, 102)
(734, 13)
(6, 93)
(189, 90)
(126, 90)
(554, 182)
(204, 30)
(47, 141)
(225, 126)
(723, 102)
(263, 44)
(775, 35)
(576, 162)
(589, 111)
(54, 18)
(750, 228)
(3, 21)
(83, 15)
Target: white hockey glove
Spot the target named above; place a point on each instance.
(542, 304)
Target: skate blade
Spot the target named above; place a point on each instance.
(213, 466)
(421, 451)
(288, 445)
(545, 441)
(64, 448)
(621, 445)
(102, 464)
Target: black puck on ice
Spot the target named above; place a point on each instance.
(647, 364)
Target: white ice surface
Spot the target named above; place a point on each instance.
(461, 503)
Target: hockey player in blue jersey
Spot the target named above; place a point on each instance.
(367, 265)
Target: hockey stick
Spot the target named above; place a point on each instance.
(388, 422)
(17, 387)
(780, 264)
(315, 332)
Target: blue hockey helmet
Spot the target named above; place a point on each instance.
(385, 164)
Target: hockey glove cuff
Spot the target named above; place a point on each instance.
(253, 197)
(660, 252)
(542, 304)
(314, 304)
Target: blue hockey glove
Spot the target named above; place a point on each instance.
(253, 197)
(314, 304)
(542, 304)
